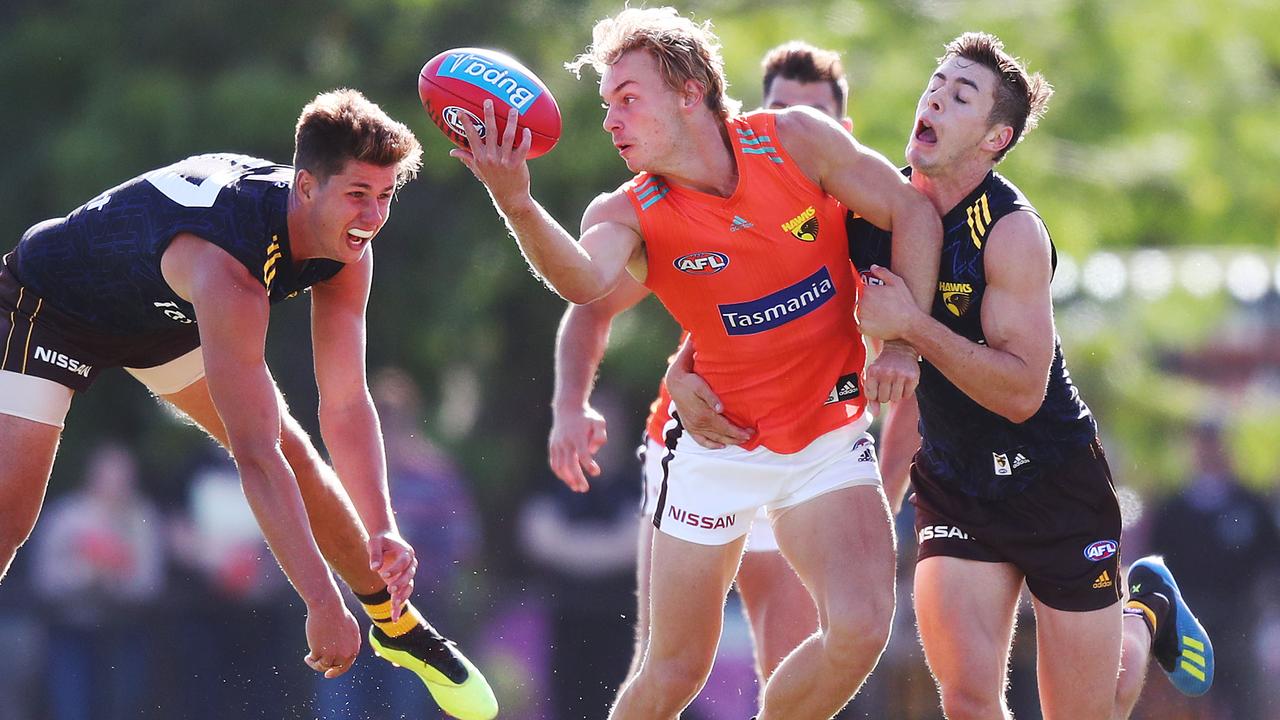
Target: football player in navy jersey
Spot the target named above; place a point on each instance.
(170, 276)
(1011, 484)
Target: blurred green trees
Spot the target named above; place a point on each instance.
(1162, 133)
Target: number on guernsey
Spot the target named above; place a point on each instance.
(182, 183)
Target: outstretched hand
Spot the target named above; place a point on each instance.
(575, 439)
(394, 561)
(498, 162)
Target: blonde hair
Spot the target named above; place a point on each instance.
(343, 125)
(684, 50)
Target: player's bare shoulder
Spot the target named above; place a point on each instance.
(806, 131)
(812, 139)
(1019, 244)
(611, 226)
(612, 207)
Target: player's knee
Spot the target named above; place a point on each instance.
(1133, 666)
(860, 630)
(676, 681)
(968, 702)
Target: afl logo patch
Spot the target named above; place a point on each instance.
(702, 263)
(1101, 550)
(454, 116)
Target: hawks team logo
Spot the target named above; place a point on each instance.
(804, 226)
(956, 296)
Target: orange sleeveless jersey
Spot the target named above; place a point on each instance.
(763, 282)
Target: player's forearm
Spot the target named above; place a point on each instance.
(580, 348)
(353, 435)
(552, 253)
(682, 361)
(899, 440)
(272, 491)
(917, 247)
(998, 381)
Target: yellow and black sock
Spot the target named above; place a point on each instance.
(411, 634)
(378, 607)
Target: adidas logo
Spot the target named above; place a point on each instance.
(1103, 581)
(866, 456)
(1019, 460)
(740, 223)
(846, 388)
(1192, 660)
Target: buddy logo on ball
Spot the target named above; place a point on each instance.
(519, 91)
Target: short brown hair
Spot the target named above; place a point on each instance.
(805, 63)
(343, 125)
(1021, 98)
(685, 50)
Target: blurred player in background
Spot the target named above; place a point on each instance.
(736, 223)
(171, 275)
(779, 611)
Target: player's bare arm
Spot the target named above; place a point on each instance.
(577, 430)
(349, 421)
(899, 440)
(701, 412)
(864, 181)
(232, 310)
(1008, 375)
(579, 272)
(867, 183)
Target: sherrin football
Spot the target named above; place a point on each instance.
(454, 85)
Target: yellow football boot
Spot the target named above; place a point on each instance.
(456, 684)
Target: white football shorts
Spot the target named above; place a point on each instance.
(713, 497)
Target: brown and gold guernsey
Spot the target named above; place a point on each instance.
(762, 281)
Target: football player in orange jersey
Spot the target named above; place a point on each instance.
(736, 223)
(778, 609)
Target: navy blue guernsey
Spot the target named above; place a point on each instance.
(101, 263)
(964, 445)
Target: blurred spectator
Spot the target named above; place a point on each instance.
(23, 641)
(437, 516)
(432, 502)
(241, 646)
(1222, 541)
(98, 569)
(585, 544)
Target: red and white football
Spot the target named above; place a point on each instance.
(454, 85)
